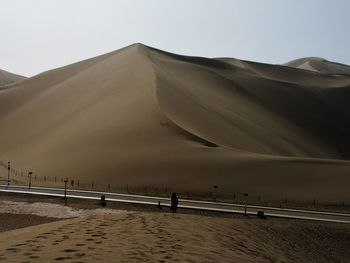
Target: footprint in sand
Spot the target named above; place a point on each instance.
(40, 236)
(160, 245)
(20, 244)
(176, 247)
(62, 258)
(80, 245)
(13, 249)
(167, 257)
(70, 250)
(79, 254)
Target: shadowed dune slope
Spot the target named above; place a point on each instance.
(7, 78)
(143, 116)
(271, 109)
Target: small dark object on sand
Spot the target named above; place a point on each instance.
(261, 215)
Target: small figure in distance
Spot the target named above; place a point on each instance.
(174, 203)
(103, 200)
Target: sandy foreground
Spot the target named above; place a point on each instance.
(112, 235)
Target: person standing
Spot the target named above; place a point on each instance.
(174, 203)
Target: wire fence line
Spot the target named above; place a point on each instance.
(20, 177)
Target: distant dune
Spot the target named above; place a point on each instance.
(144, 116)
(320, 65)
(7, 78)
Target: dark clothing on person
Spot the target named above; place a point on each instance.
(174, 202)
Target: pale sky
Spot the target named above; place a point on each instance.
(38, 35)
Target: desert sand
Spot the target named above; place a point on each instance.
(109, 235)
(14, 221)
(320, 65)
(8, 78)
(141, 116)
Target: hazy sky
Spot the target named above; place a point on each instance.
(37, 35)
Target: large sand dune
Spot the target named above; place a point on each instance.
(143, 116)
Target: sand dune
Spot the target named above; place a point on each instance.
(143, 116)
(320, 65)
(7, 78)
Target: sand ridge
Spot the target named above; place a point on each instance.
(8, 78)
